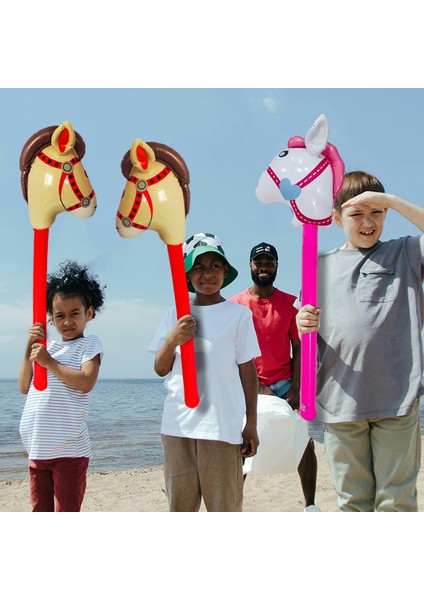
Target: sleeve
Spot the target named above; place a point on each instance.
(415, 248)
(247, 341)
(293, 331)
(92, 348)
(164, 328)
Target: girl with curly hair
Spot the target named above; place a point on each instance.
(53, 428)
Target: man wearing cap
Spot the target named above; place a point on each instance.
(278, 367)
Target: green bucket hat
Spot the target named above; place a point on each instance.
(200, 243)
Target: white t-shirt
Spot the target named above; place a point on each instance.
(225, 338)
(53, 421)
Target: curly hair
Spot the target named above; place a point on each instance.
(74, 280)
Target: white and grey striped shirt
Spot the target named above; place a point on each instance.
(53, 421)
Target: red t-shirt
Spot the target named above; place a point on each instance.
(275, 324)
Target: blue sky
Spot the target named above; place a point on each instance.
(227, 137)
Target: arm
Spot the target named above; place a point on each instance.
(249, 382)
(183, 330)
(379, 200)
(83, 379)
(36, 332)
(292, 396)
(307, 319)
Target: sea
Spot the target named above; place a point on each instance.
(124, 426)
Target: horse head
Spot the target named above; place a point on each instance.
(307, 176)
(53, 178)
(156, 195)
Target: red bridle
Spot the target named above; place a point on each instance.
(142, 193)
(67, 169)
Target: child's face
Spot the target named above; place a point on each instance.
(70, 316)
(363, 225)
(207, 274)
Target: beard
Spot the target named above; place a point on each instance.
(263, 281)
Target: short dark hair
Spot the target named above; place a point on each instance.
(355, 183)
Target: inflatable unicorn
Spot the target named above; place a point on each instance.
(307, 176)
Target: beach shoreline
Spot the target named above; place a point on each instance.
(143, 490)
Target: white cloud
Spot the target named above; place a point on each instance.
(125, 327)
(271, 105)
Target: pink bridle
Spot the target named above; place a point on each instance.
(316, 172)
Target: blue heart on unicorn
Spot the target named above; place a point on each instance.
(290, 191)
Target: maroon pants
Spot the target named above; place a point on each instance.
(57, 485)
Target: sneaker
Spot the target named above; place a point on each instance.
(311, 508)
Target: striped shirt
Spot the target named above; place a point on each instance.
(53, 421)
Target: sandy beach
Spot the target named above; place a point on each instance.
(142, 490)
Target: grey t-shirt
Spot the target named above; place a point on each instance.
(370, 352)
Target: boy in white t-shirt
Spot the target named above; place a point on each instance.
(204, 446)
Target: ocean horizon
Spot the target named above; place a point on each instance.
(124, 426)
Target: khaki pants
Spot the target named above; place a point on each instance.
(202, 468)
(374, 464)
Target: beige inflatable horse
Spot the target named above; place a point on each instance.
(157, 197)
(53, 180)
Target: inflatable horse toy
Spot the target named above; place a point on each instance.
(307, 176)
(157, 196)
(53, 180)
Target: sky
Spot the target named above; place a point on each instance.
(225, 84)
(227, 137)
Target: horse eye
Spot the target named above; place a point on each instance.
(283, 153)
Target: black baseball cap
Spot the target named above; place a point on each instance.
(263, 248)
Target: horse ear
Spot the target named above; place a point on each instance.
(63, 138)
(141, 155)
(317, 136)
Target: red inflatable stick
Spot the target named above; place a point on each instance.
(39, 296)
(157, 197)
(182, 304)
(53, 180)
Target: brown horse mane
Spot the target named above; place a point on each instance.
(40, 140)
(169, 158)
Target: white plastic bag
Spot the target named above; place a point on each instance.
(283, 436)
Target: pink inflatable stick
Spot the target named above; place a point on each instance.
(39, 304)
(182, 305)
(307, 176)
(309, 340)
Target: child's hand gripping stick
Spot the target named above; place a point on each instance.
(53, 180)
(157, 197)
(307, 176)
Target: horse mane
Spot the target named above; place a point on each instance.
(37, 142)
(169, 158)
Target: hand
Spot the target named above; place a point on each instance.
(375, 200)
(39, 354)
(308, 318)
(36, 332)
(184, 330)
(293, 397)
(250, 441)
